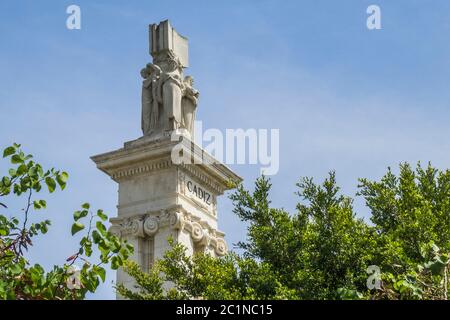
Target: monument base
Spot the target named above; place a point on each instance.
(161, 197)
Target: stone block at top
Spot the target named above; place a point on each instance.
(164, 37)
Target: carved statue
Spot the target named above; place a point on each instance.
(189, 104)
(168, 101)
(151, 98)
(172, 89)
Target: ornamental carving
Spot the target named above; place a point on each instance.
(148, 226)
(151, 225)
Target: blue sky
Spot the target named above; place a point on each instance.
(343, 97)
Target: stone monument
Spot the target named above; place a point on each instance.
(168, 185)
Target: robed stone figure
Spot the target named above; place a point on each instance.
(169, 100)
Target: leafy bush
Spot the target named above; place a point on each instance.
(19, 279)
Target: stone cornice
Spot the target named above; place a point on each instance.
(140, 168)
(145, 155)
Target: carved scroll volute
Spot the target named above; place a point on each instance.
(221, 247)
(177, 220)
(151, 225)
(137, 228)
(197, 232)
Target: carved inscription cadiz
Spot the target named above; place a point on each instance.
(198, 192)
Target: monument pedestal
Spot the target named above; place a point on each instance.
(161, 198)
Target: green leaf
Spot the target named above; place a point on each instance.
(101, 227)
(37, 186)
(77, 215)
(39, 170)
(62, 179)
(12, 172)
(4, 231)
(16, 269)
(115, 263)
(43, 203)
(436, 267)
(96, 236)
(17, 189)
(76, 227)
(8, 151)
(51, 184)
(36, 205)
(39, 204)
(16, 159)
(101, 272)
(88, 248)
(44, 228)
(64, 176)
(22, 169)
(130, 247)
(84, 240)
(85, 206)
(102, 215)
(6, 181)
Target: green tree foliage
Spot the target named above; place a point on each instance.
(323, 251)
(205, 277)
(411, 217)
(21, 280)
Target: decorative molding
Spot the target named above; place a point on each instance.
(178, 218)
(220, 246)
(133, 227)
(151, 225)
(141, 168)
(166, 163)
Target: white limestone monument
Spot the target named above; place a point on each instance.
(168, 185)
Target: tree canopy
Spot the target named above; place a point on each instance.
(323, 250)
(21, 280)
